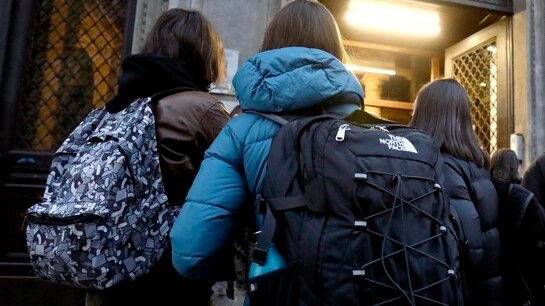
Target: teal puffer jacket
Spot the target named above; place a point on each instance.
(232, 172)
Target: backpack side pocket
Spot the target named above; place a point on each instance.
(276, 288)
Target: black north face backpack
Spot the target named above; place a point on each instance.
(359, 215)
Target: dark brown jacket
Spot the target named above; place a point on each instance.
(187, 123)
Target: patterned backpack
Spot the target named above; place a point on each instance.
(104, 217)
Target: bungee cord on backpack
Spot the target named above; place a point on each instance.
(400, 204)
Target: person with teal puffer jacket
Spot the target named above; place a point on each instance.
(300, 68)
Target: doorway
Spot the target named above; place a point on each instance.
(482, 63)
(422, 59)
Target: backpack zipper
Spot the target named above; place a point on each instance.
(380, 128)
(46, 220)
(342, 131)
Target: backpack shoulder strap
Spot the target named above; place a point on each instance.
(274, 117)
(261, 249)
(516, 207)
(455, 165)
(260, 252)
(518, 198)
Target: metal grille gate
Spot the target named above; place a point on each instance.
(477, 72)
(75, 56)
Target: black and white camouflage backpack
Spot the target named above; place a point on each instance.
(359, 214)
(104, 217)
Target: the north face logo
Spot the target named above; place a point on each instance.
(398, 143)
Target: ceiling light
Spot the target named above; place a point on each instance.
(393, 17)
(364, 69)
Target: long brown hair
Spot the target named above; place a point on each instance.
(305, 23)
(188, 38)
(442, 108)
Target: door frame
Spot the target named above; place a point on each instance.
(501, 33)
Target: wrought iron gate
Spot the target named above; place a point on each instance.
(72, 62)
(477, 71)
(75, 56)
(483, 65)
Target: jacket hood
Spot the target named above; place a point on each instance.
(147, 74)
(295, 78)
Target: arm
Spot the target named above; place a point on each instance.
(187, 123)
(231, 172)
(460, 200)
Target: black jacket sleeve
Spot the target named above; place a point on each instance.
(534, 179)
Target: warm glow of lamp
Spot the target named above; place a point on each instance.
(393, 17)
(364, 69)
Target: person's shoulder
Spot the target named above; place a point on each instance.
(540, 160)
(468, 168)
(192, 96)
(193, 108)
(479, 171)
(252, 127)
(470, 165)
(193, 102)
(453, 161)
(454, 168)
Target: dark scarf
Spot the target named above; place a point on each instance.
(147, 74)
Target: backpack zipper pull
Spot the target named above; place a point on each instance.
(342, 130)
(380, 128)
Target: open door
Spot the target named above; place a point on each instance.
(483, 64)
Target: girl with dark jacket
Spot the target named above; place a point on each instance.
(442, 108)
(182, 50)
(504, 164)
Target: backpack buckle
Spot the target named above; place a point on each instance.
(259, 255)
(261, 204)
(255, 238)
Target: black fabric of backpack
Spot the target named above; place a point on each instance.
(522, 229)
(359, 214)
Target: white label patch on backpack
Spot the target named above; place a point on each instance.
(398, 143)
